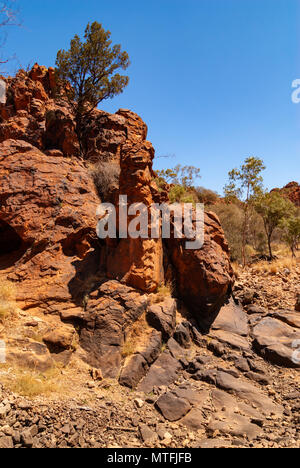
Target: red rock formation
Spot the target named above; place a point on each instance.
(48, 242)
(292, 192)
(48, 209)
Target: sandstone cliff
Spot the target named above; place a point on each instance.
(48, 242)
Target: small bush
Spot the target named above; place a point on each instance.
(206, 196)
(135, 337)
(274, 267)
(163, 291)
(231, 217)
(106, 177)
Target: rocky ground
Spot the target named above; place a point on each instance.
(236, 387)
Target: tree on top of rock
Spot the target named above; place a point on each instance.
(91, 67)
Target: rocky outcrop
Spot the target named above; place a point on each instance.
(47, 218)
(48, 242)
(292, 192)
(138, 262)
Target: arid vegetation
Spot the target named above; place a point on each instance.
(256, 222)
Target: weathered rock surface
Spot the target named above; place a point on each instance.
(204, 277)
(162, 317)
(109, 312)
(232, 319)
(136, 367)
(82, 298)
(163, 372)
(276, 342)
(297, 306)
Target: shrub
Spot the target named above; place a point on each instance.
(231, 217)
(106, 179)
(163, 292)
(136, 337)
(89, 72)
(181, 194)
(206, 196)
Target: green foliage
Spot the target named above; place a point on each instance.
(245, 184)
(90, 68)
(181, 194)
(232, 218)
(274, 209)
(180, 175)
(182, 179)
(291, 229)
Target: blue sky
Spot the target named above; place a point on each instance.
(211, 78)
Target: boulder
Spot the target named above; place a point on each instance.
(204, 276)
(136, 366)
(134, 370)
(173, 407)
(47, 216)
(25, 352)
(162, 373)
(277, 342)
(232, 319)
(110, 311)
(136, 262)
(182, 335)
(231, 339)
(162, 317)
(289, 317)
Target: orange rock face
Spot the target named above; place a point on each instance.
(47, 216)
(48, 242)
(137, 262)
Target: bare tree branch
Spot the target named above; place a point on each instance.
(8, 17)
(8, 13)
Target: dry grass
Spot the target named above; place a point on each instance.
(7, 299)
(274, 267)
(136, 337)
(237, 269)
(106, 176)
(30, 383)
(163, 292)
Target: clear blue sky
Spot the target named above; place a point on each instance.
(211, 78)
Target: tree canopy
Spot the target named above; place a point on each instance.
(91, 67)
(245, 184)
(274, 209)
